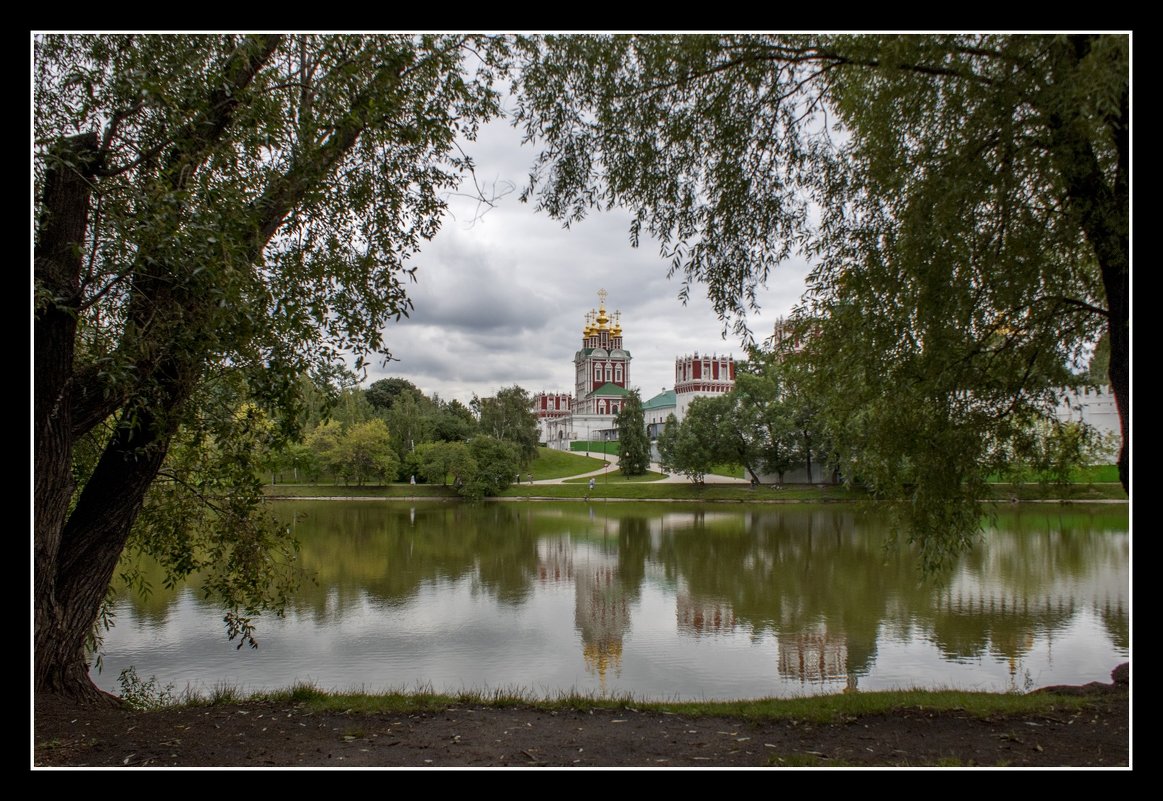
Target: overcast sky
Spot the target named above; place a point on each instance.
(501, 299)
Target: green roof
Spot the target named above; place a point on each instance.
(660, 401)
(588, 351)
(609, 390)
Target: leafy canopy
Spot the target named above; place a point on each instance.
(963, 201)
(216, 216)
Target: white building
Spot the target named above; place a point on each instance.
(602, 382)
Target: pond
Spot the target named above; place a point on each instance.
(656, 601)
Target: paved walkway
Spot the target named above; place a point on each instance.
(612, 468)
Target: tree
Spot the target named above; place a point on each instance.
(323, 442)
(739, 437)
(692, 446)
(490, 470)
(383, 393)
(410, 419)
(454, 422)
(438, 461)
(668, 445)
(365, 452)
(209, 207)
(963, 199)
(508, 416)
(762, 406)
(633, 444)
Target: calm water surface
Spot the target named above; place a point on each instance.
(661, 601)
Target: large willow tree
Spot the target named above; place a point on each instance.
(214, 216)
(963, 201)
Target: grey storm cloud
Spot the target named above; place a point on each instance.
(502, 293)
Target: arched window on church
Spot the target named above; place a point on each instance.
(618, 373)
(609, 373)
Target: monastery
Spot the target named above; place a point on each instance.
(601, 370)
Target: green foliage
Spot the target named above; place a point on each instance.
(203, 513)
(771, 421)
(323, 442)
(509, 416)
(633, 444)
(1099, 367)
(145, 694)
(972, 235)
(410, 419)
(454, 422)
(365, 452)
(594, 446)
(668, 455)
(383, 393)
(1053, 452)
(690, 447)
(496, 465)
(446, 461)
(210, 207)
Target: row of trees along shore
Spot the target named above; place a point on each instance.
(218, 215)
(393, 432)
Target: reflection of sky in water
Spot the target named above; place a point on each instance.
(582, 626)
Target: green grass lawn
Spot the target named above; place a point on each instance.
(814, 709)
(552, 463)
(615, 476)
(648, 488)
(367, 491)
(652, 490)
(1091, 474)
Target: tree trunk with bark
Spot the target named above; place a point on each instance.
(59, 660)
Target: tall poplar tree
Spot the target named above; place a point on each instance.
(633, 444)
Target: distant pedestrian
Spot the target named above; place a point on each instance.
(413, 481)
(591, 485)
(530, 478)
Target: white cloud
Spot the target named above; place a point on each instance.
(501, 297)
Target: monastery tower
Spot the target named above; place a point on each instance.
(602, 366)
(602, 383)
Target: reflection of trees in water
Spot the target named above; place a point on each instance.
(388, 552)
(968, 627)
(1116, 621)
(1035, 573)
(807, 574)
(826, 581)
(810, 575)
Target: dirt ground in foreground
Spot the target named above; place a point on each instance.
(259, 734)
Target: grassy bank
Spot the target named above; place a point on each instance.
(617, 488)
(615, 477)
(816, 709)
(551, 464)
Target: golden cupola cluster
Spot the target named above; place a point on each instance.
(599, 320)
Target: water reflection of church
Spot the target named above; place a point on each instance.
(601, 600)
